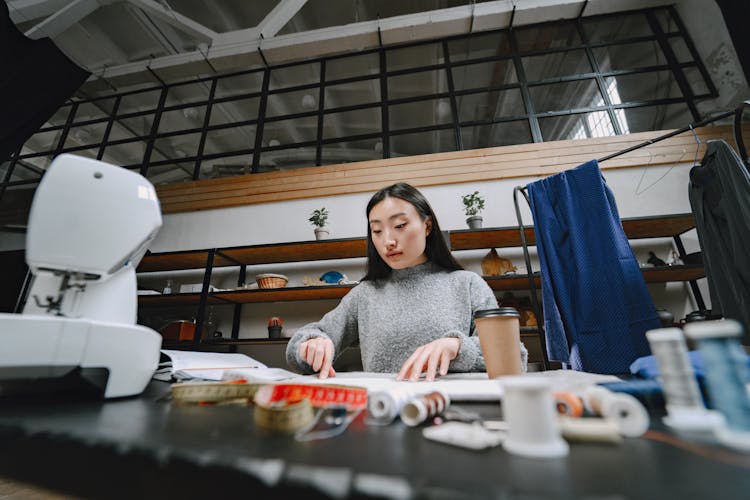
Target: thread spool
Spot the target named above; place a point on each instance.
(568, 404)
(529, 409)
(685, 407)
(384, 406)
(630, 415)
(726, 376)
(420, 408)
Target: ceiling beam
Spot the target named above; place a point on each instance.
(279, 16)
(63, 19)
(240, 49)
(182, 23)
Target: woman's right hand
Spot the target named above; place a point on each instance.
(318, 353)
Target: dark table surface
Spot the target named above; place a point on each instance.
(148, 446)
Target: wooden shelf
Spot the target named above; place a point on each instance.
(290, 294)
(635, 228)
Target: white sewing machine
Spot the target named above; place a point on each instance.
(90, 224)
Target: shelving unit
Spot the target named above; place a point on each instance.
(469, 239)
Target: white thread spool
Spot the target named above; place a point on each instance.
(685, 408)
(626, 411)
(384, 406)
(420, 408)
(529, 409)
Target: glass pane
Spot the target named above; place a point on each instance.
(420, 143)
(227, 140)
(90, 110)
(285, 159)
(680, 49)
(629, 56)
(129, 153)
(345, 152)
(87, 153)
(666, 21)
(346, 67)
(496, 134)
(234, 111)
(571, 62)
(566, 95)
(171, 172)
(484, 75)
(291, 76)
(547, 36)
(287, 103)
(226, 166)
(43, 141)
(420, 114)
(411, 57)
(664, 117)
(59, 118)
(140, 101)
(127, 128)
(580, 126)
(617, 27)
(347, 123)
(415, 84)
(479, 46)
(188, 92)
(642, 86)
(180, 146)
(85, 135)
(490, 105)
(696, 81)
(30, 168)
(352, 93)
(182, 119)
(239, 84)
(285, 132)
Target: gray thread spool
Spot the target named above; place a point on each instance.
(685, 407)
(726, 376)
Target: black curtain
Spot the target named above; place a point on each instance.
(736, 15)
(35, 80)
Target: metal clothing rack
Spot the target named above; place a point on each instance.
(737, 126)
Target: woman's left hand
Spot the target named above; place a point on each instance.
(430, 358)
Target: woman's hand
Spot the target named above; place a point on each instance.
(318, 352)
(431, 357)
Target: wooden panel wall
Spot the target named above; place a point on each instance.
(523, 160)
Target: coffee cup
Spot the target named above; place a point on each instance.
(499, 333)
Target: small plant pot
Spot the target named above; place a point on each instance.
(274, 332)
(321, 233)
(474, 222)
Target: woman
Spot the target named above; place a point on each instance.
(412, 312)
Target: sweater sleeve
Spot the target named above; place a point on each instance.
(469, 358)
(339, 325)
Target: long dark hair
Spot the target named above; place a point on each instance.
(435, 248)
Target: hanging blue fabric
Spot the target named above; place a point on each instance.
(596, 304)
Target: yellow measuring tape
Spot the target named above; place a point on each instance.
(285, 408)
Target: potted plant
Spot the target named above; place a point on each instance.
(318, 219)
(473, 206)
(274, 327)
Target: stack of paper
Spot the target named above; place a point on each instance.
(189, 365)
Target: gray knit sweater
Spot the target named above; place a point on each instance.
(391, 318)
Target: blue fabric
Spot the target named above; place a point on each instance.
(596, 304)
(648, 367)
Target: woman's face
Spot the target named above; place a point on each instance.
(399, 233)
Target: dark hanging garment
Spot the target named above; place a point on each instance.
(35, 80)
(597, 307)
(719, 193)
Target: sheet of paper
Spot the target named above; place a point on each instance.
(187, 365)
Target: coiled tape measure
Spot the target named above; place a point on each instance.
(284, 408)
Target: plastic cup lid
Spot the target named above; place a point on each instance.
(500, 311)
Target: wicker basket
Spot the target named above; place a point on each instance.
(271, 280)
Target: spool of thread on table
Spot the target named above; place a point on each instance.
(529, 409)
(685, 407)
(419, 409)
(568, 404)
(726, 374)
(384, 406)
(630, 415)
